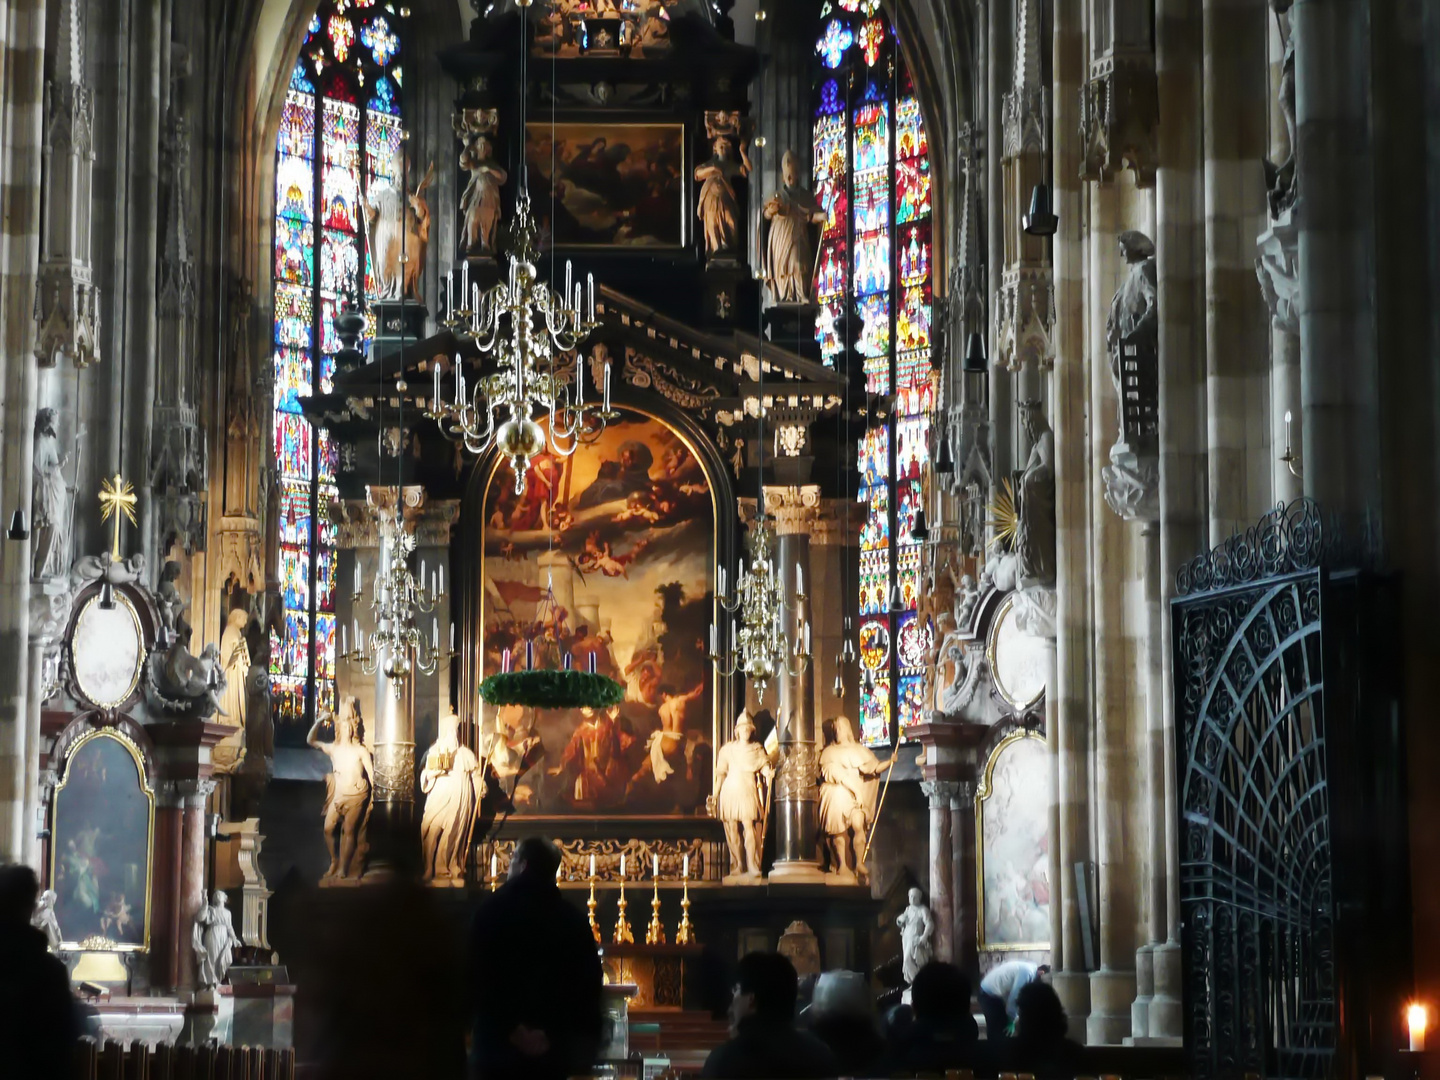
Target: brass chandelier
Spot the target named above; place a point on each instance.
(758, 646)
(397, 646)
(533, 334)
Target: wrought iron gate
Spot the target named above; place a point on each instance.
(1272, 669)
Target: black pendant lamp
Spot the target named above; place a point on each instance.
(920, 528)
(107, 596)
(976, 362)
(1041, 219)
(18, 529)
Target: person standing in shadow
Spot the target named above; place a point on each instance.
(39, 1025)
(535, 976)
(764, 1043)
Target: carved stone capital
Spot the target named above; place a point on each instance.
(1119, 115)
(358, 524)
(241, 552)
(940, 792)
(689, 393)
(1025, 317)
(190, 794)
(964, 795)
(793, 508)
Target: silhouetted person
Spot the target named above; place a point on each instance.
(1000, 990)
(1040, 1045)
(764, 1043)
(842, 1016)
(38, 1020)
(535, 976)
(944, 1034)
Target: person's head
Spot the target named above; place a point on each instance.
(667, 692)
(765, 988)
(19, 888)
(844, 733)
(1039, 1016)
(790, 168)
(915, 897)
(217, 898)
(238, 618)
(841, 994)
(535, 859)
(940, 993)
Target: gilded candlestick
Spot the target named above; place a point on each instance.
(685, 933)
(655, 932)
(623, 936)
(590, 906)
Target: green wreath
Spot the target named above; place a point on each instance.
(549, 689)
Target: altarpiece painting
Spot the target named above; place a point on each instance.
(1012, 812)
(606, 554)
(100, 846)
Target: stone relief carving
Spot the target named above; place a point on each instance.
(178, 470)
(1279, 275)
(181, 684)
(686, 391)
(1025, 318)
(707, 857)
(1034, 611)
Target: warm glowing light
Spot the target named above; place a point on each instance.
(1415, 1020)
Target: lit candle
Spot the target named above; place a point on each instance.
(442, 580)
(657, 867)
(622, 866)
(452, 637)
(685, 868)
(1415, 1019)
(494, 871)
(799, 580)
(505, 660)
(1287, 429)
(592, 854)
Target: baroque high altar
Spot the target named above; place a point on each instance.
(857, 385)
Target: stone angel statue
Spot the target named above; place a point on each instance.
(214, 939)
(398, 227)
(849, 794)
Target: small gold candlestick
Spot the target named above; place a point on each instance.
(590, 906)
(623, 936)
(655, 932)
(685, 933)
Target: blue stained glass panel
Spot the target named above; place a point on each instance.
(293, 378)
(294, 522)
(293, 322)
(294, 251)
(382, 41)
(295, 188)
(340, 137)
(292, 445)
(834, 42)
(339, 263)
(297, 126)
(294, 578)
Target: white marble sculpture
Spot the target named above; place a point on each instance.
(453, 785)
(50, 499)
(171, 604)
(45, 921)
(742, 778)
(398, 224)
(849, 793)
(1035, 535)
(347, 791)
(234, 700)
(214, 939)
(1134, 319)
(917, 931)
(789, 252)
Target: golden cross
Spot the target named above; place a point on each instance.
(117, 497)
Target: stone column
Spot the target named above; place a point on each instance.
(940, 794)
(963, 945)
(191, 891)
(794, 509)
(1335, 174)
(1068, 709)
(393, 740)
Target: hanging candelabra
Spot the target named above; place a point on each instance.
(397, 646)
(759, 647)
(532, 334)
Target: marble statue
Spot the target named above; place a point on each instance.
(849, 791)
(453, 785)
(1133, 321)
(45, 921)
(417, 238)
(214, 939)
(917, 931)
(347, 791)
(789, 253)
(1280, 178)
(480, 202)
(171, 604)
(398, 226)
(1035, 536)
(187, 684)
(742, 779)
(718, 207)
(50, 509)
(235, 701)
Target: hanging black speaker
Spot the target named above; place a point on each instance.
(1041, 220)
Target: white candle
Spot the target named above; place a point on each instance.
(607, 386)
(434, 635)
(345, 639)
(685, 868)
(1415, 1020)
(494, 873)
(450, 294)
(622, 866)
(590, 296)
(465, 283)
(358, 583)
(799, 580)
(422, 573)
(657, 867)
(592, 854)
(721, 574)
(442, 579)
(569, 274)
(435, 394)
(452, 637)
(712, 639)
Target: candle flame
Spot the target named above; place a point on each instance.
(1416, 1017)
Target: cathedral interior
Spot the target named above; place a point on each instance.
(787, 453)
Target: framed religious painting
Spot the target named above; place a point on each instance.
(609, 185)
(606, 558)
(1012, 839)
(102, 831)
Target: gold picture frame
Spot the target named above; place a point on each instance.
(993, 655)
(100, 941)
(84, 682)
(984, 793)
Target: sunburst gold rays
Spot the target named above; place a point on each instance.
(1004, 518)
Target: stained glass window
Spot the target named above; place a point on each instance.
(875, 298)
(340, 135)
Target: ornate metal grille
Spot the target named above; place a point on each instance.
(1273, 759)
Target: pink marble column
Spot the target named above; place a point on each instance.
(942, 881)
(191, 892)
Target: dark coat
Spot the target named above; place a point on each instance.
(764, 1050)
(38, 1020)
(534, 962)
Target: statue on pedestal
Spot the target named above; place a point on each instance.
(480, 202)
(214, 940)
(743, 772)
(718, 207)
(45, 921)
(917, 929)
(1035, 535)
(849, 790)
(789, 254)
(347, 791)
(234, 701)
(398, 226)
(453, 786)
(171, 604)
(1134, 319)
(50, 500)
